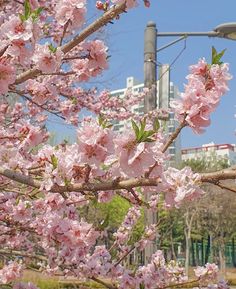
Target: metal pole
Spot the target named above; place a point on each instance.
(150, 75)
(150, 103)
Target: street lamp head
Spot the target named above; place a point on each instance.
(227, 30)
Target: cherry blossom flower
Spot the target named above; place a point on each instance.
(181, 185)
(7, 74)
(11, 272)
(47, 61)
(202, 94)
(15, 29)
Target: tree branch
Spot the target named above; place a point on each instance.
(102, 21)
(225, 187)
(174, 135)
(127, 184)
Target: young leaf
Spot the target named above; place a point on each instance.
(27, 9)
(213, 54)
(52, 48)
(156, 124)
(143, 125)
(216, 57)
(54, 161)
(35, 14)
(135, 128)
(22, 17)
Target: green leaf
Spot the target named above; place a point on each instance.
(135, 128)
(141, 286)
(22, 17)
(27, 9)
(52, 48)
(35, 14)
(156, 124)
(143, 125)
(74, 100)
(216, 57)
(213, 54)
(54, 161)
(100, 119)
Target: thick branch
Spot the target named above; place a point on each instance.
(96, 25)
(213, 177)
(112, 185)
(91, 187)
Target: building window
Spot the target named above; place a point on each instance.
(172, 151)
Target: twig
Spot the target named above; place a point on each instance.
(223, 186)
(174, 135)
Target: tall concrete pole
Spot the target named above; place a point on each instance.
(150, 103)
(150, 74)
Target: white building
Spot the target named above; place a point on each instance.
(162, 102)
(210, 152)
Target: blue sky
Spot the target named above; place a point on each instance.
(125, 41)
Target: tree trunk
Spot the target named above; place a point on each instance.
(222, 260)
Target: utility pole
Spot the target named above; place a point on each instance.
(150, 103)
(150, 74)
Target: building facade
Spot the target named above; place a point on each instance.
(211, 152)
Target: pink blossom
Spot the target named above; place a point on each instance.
(7, 74)
(18, 51)
(207, 273)
(72, 10)
(202, 94)
(15, 29)
(10, 272)
(181, 185)
(46, 60)
(133, 158)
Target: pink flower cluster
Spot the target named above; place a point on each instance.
(206, 84)
(123, 233)
(7, 74)
(158, 274)
(181, 185)
(207, 273)
(47, 61)
(93, 62)
(11, 272)
(72, 11)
